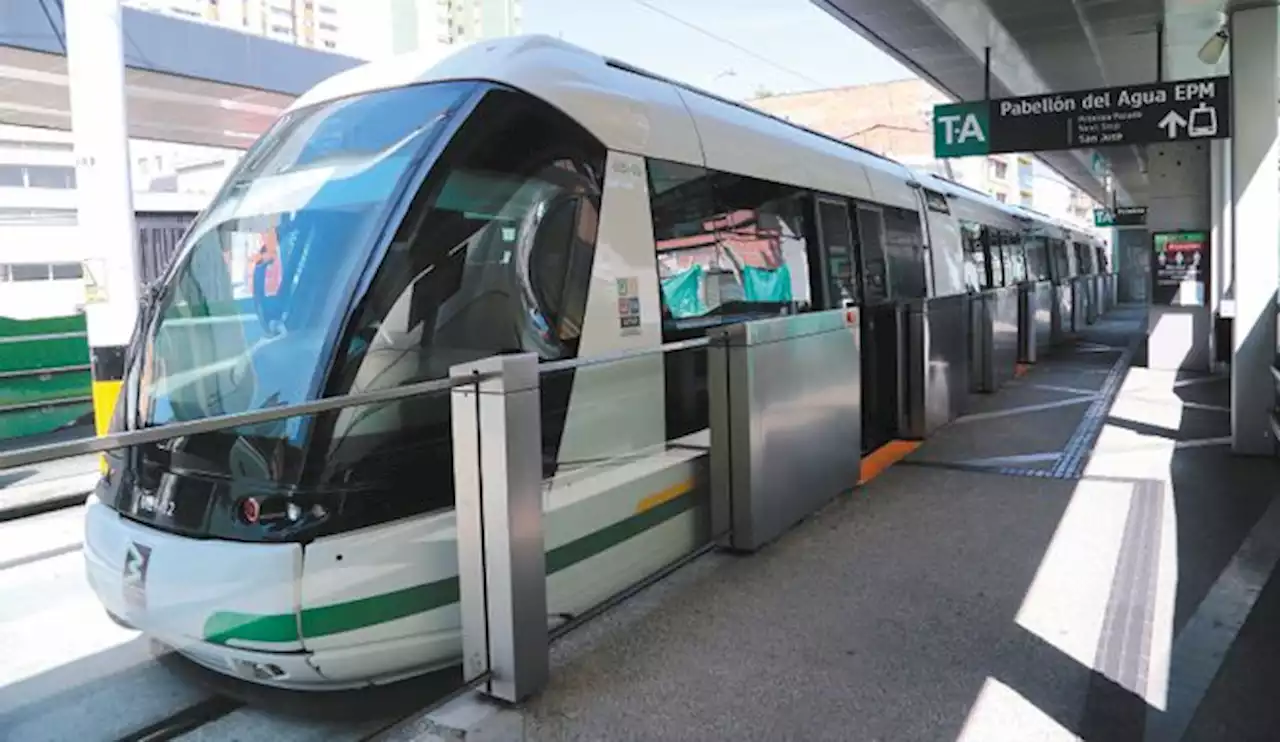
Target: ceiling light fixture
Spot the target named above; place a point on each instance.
(1212, 50)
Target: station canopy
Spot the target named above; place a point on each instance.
(1047, 46)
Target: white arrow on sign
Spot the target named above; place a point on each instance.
(1170, 123)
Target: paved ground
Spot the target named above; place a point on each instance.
(1080, 558)
(28, 488)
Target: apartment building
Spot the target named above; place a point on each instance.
(390, 27)
(310, 23)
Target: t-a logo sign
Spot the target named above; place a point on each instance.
(960, 129)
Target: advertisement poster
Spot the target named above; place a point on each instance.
(1180, 268)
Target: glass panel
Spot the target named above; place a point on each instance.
(975, 254)
(29, 271)
(729, 248)
(838, 247)
(875, 267)
(65, 271)
(626, 455)
(904, 246)
(1015, 257)
(261, 284)
(1037, 258)
(1060, 261)
(995, 256)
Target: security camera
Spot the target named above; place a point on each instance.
(1212, 50)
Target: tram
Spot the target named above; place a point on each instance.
(406, 216)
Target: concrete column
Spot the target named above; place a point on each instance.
(1222, 276)
(95, 71)
(1255, 77)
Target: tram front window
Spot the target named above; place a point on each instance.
(243, 322)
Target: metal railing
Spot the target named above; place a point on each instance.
(499, 510)
(125, 439)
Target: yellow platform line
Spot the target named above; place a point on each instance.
(874, 463)
(666, 495)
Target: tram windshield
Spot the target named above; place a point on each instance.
(242, 320)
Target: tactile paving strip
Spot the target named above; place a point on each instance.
(1075, 454)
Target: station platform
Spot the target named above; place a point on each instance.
(1078, 557)
(31, 490)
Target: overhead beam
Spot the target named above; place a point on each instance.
(186, 82)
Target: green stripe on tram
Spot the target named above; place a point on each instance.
(226, 626)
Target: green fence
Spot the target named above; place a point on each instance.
(45, 383)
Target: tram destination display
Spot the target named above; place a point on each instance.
(1183, 110)
(1179, 268)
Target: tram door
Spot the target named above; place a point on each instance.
(854, 273)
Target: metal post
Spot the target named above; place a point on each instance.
(1160, 51)
(104, 194)
(502, 578)
(986, 74)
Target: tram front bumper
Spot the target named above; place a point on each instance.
(202, 597)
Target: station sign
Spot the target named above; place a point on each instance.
(1180, 268)
(1121, 216)
(1184, 110)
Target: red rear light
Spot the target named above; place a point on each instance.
(250, 509)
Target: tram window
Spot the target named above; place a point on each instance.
(1015, 258)
(975, 254)
(761, 229)
(995, 256)
(875, 266)
(727, 247)
(1059, 260)
(904, 249)
(494, 254)
(1085, 265)
(1037, 258)
(1103, 267)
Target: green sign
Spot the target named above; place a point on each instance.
(960, 129)
(1174, 111)
(1121, 216)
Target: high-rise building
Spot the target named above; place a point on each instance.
(310, 23)
(390, 27)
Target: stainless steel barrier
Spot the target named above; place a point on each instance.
(978, 341)
(993, 328)
(1093, 299)
(786, 421)
(1035, 320)
(935, 364)
(503, 560)
(497, 462)
(1079, 304)
(1063, 304)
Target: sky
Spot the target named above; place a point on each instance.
(734, 48)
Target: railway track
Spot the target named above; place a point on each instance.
(69, 673)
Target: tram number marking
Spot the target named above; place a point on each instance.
(152, 504)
